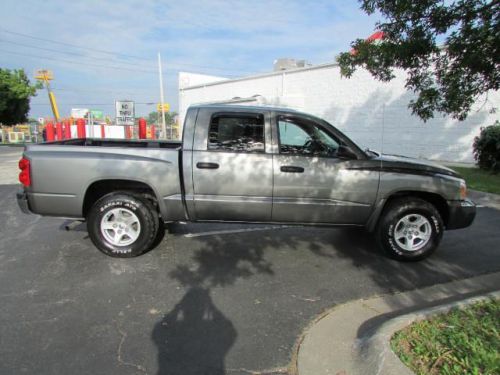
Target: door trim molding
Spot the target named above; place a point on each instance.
(228, 198)
(317, 201)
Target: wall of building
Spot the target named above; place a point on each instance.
(372, 113)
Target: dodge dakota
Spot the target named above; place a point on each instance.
(243, 164)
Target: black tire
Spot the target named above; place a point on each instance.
(160, 234)
(394, 214)
(147, 224)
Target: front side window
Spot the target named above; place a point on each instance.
(243, 133)
(305, 138)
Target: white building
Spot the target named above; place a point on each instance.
(374, 114)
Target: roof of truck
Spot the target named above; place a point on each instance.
(247, 107)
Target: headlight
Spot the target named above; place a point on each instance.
(463, 190)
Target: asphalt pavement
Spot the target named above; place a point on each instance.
(210, 299)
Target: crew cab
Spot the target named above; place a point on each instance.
(243, 164)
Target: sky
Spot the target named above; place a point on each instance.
(101, 51)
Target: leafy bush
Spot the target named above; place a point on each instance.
(487, 148)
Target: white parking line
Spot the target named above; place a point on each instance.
(232, 231)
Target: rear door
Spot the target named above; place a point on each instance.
(232, 170)
(314, 185)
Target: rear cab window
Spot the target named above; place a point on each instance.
(238, 132)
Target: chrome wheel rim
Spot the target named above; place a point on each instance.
(120, 227)
(412, 232)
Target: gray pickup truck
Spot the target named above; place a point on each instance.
(243, 164)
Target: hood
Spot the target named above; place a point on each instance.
(406, 164)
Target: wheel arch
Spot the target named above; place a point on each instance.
(435, 199)
(100, 188)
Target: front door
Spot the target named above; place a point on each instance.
(311, 183)
(233, 174)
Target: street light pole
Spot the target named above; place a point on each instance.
(163, 124)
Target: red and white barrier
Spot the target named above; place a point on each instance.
(50, 132)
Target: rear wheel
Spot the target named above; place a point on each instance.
(410, 229)
(122, 225)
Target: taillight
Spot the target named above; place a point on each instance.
(25, 175)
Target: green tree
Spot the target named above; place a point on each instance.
(15, 94)
(153, 118)
(449, 49)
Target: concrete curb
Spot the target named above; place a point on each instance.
(378, 347)
(353, 338)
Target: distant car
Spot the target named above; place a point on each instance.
(243, 164)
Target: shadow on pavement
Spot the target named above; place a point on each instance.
(194, 337)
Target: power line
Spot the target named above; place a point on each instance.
(91, 104)
(95, 65)
(64, 52)
(99, 90)
(111, 53)
(73, 45)
(81, 63)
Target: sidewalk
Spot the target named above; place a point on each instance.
(346, 339)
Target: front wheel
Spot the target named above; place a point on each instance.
(410, 229)
(122, 225)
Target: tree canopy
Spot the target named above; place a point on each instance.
(15, 94)
(449, 49)
(153, 118)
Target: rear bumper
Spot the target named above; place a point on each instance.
(22, 201)
(461, 214)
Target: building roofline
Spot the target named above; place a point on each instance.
(263, 75)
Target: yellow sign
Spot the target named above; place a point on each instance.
(163, 108)
(44, 75)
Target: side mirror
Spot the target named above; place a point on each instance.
(345, 152)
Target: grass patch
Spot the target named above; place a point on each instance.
(479, 179)
(459, 342)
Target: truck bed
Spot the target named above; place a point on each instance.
(63, 172)
(145, 143)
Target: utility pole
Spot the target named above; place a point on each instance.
(163, 124)
(46, 76)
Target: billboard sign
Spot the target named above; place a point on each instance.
(125, 112)
(79, 112)
(97, 114)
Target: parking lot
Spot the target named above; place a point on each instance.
(209, 299)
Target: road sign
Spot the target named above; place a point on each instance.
(125, 112)
(165, 107)
(44, 75)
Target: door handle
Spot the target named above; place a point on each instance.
(291, 169)
(204, 165)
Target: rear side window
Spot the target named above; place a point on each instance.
(236, 132)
